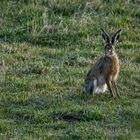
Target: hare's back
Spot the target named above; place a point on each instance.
(95, 78)
(97, 69)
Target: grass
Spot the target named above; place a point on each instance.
(46, 49)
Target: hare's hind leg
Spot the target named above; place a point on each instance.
(88, 87)
(95, 88)
(110, 88)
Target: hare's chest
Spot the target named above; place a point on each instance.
(114, 69)
(114, 72)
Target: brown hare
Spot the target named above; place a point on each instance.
(105, 72)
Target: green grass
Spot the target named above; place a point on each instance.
(46, 49)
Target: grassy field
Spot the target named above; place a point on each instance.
(46, 49)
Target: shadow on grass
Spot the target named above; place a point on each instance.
(69, 117)
(78, 116)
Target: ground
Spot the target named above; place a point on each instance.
(46, 49)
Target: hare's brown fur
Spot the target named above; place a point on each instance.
(112, 67)
(105, 71)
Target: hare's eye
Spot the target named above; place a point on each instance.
(109, 50)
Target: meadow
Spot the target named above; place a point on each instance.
(46, 49)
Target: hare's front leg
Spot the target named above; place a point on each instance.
(110, 88)
(115, 87)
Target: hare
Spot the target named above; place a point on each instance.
(105, 72)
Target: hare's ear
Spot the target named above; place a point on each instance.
(105, 36)
(115, 37)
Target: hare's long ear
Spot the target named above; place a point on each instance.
(115, 37)
(105, 36)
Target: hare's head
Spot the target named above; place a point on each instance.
(110, 42)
